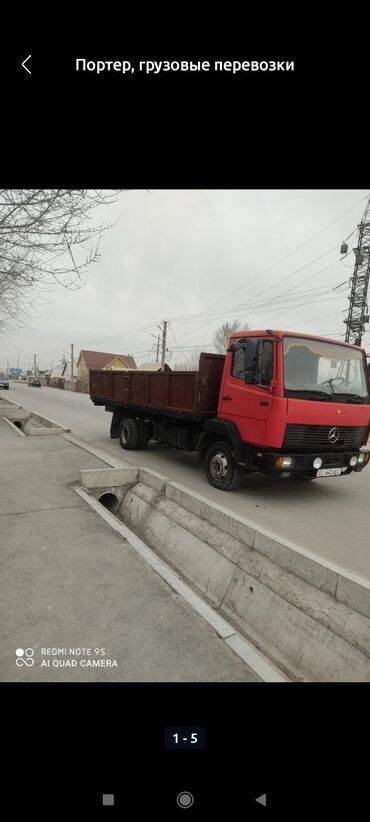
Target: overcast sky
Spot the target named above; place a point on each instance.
(218, 254)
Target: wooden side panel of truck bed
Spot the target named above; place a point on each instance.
(183, 392)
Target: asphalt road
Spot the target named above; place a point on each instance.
(330, 516)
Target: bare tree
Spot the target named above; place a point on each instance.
(221, 337)
(47, 238)
(190, 364)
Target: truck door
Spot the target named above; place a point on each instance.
(245, 397)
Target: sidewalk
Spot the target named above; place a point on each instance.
(69, 582)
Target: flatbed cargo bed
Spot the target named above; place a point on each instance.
(193, 393)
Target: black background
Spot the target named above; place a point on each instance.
(298, 129)
(301, 744)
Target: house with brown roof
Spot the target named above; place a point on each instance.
(88, 360)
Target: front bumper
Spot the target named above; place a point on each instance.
(303, 463)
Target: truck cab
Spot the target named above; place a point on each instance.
(300, 403)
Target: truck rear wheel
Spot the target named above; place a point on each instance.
(129, 434)
(222, 470)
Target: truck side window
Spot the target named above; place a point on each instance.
(239, 363)
(244, 360)
(265, 361)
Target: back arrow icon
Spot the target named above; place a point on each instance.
(25, 61)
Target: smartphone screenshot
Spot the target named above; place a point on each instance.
(184, 432)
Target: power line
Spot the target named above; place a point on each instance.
(313, 319)
(282, 259)
(176, 343)
(252, 305)
(238, 307)
(131, 333)
(249, 304)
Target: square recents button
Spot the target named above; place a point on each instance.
(108, 798)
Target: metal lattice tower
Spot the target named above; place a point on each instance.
(358, 308)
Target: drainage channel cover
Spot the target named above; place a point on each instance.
(26, 422)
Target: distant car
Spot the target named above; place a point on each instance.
(4, 382)
(34, 383)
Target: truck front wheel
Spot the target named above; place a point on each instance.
(221, 469)
(129, 434)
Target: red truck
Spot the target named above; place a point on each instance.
(284, 404)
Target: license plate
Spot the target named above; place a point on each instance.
(329, 472)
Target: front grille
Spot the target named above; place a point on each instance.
(316, 437)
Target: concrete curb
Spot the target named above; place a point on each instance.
(310, 617)
(14, 427)
(51, 423)
(103, 477)
(11, 402)
(54, 427)
(305, 631)
(249, 653)
(96, 452)
(315, 570)
(345, 586)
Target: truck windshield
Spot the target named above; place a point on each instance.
(314, 369)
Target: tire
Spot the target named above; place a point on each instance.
(145, 433)
(202, 450)
(221, 469)
(129, 434)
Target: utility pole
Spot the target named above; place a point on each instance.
(358, 310)
(34, 364)
(164, 337)
(72, 347)
(158, 338)
(19, 355)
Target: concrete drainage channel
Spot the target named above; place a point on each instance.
(28, 423)
(288, 613)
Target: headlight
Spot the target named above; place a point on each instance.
(317, 463)
(361, 458)
(353, 462)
